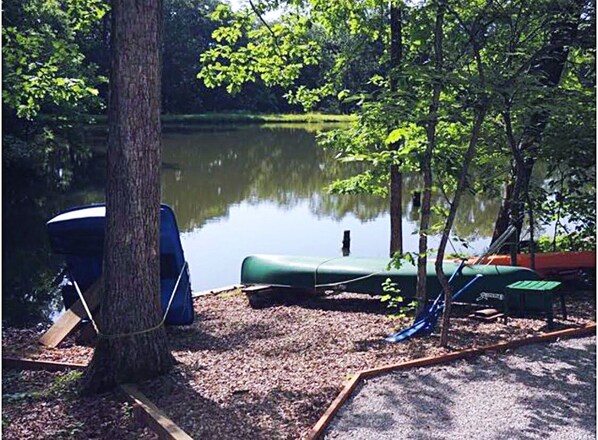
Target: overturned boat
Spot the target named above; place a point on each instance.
(78, 234)
(366, 275)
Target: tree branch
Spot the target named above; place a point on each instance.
(259, 16)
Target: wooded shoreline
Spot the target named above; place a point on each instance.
(245, 118)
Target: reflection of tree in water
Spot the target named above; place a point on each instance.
(476, 217)
(206, 172)
(28, 265)
(280, 166)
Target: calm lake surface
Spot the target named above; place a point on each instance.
(238, 191)
(262, 190)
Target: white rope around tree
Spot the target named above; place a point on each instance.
(135, 333)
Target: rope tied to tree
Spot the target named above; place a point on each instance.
(135, 333)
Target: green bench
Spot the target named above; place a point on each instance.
(536, 296)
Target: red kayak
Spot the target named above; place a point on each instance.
(549, 263)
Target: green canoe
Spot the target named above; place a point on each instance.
(366, 275)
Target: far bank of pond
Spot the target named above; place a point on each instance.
(246, 118)
(236, 191)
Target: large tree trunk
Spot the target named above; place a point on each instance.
(396, 178)
(548, 70)
(132, 345)
(424, 226)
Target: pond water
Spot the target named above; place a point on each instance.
(236, 191)
(262, 190)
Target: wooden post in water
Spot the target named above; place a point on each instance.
(346, 243)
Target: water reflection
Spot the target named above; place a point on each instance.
(235, 191)
(28, 266)
(206, 173)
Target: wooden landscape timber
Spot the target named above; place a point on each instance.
(71, 318)
(323, 422)
(320, 426)
(144, 410)
(149, 414)
(33, 364)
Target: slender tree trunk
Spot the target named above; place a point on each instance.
(396, 211)
(446, 287)
(396, 178)
(131, 301)
(514, 216)
(480, 114)
(422, 259)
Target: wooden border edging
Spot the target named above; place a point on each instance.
(150, 415)
(33, 364)
(326, 418)
(317, 430)
(146, 412)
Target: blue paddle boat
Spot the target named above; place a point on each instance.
(78, 234)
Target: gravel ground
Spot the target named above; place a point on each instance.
(43, 405)
(270, 373)
(545, 391)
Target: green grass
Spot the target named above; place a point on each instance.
(62, 385)
(247, 118)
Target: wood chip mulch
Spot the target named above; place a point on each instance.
(270, 373)
(23, 343)
(45, 405)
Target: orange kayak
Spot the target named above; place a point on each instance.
(549, 263)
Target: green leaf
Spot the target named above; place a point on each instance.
(395, 136)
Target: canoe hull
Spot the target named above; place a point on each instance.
(365, 275)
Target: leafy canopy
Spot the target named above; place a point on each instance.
(42, 62)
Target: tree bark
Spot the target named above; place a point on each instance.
(396, 178)
(131, 297)
(422, 259)
(548, 69)
(396, 211)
